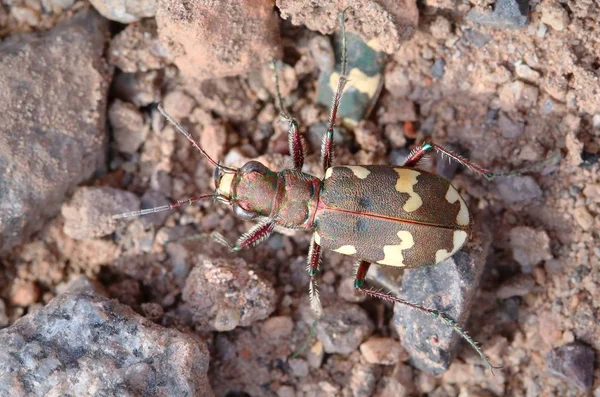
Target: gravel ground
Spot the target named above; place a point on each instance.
(153, 305)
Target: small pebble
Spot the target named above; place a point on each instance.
(530, 246)
(322, 51)
(438, 68)
(3, 317)
(383, 351)
(554, 15)
(315, 355)
(516, 189)
(129, 129)
(519, 285)
(343, 327)
(583, 218)
(573, 363)
(278, 327)
(24, 293)
(299, 367)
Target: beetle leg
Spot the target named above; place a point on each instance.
(257, 234)
(327, 145)
(359, 284)
(294, 138)
(314, 259)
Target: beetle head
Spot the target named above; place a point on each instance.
(250, 190)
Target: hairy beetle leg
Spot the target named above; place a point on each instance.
(359, 284)
(254, 236)
(314, 260)
(294, 138)
(327, 145)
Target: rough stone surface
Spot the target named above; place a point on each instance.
(137, 48)
(125, 11)
(450, 287)
(88, 213)
(573, 363)
(511, 14)
(516, 189)
(128, 127)
(383, 351)
(194, 33)
(529, 246)
(390, 22)
(85, 345)
(519, 285)
(343, 327)
(224, 295)
(59, 112)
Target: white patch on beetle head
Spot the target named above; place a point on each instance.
(393, 255)
(225, 185)
(463, 213)
(458, 240)
(346, 250)
(407, 179)
(317, 238)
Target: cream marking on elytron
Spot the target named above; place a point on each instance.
(407, 179)
(393, 253)
(346, 250)
(317, 238)
(358, 171)
(328, 172)
(463, 214)
(225, 185)
(458, 239)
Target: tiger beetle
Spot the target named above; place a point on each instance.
(379, 214)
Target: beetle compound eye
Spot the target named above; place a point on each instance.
(254, 166)
(244, 214)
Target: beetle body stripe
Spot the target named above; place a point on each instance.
(396, 216)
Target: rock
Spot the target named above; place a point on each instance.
(510, 128)
(210, 39)
(213, 139)
(363, 379)
(347, 292)
(573, 363)
(583, 218)
(87, 345)
(438, 68)
(477, 38)
(441, 28)
(4, 320)
(278, 327)
(343, 327)
(125, 11)
(89, 212)
(507, 14)
(223, 295)
(151, 199)
(299, 367)
(395, 134)
(178, 104)
(24, 293)
(129, 129)
(152, 311)
(63, 124)
(519, 285)
(517, 95)
(322, 52)
(141, 89)
(400, 383)
(82, 285)
(592, 192)
(524, 72)
(450, 287)
(226, 97)
(389, 22)
(137, 48)
(315, 355)
(383, 351)
(530, 247)
(514, 189)
(554, 14)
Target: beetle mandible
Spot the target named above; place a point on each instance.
(378, 214)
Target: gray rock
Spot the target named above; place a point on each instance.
(343, 327)
(438, 69)
(449, 287)
(573, 363)
(223, 295)
(128, 126)
(477, 38)
(516, 189)
(53, 106)
(519, 285)
(125, 11)
(507, 14)
(509, 128)
(86, 345)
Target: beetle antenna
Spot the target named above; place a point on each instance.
(163, 207)
(195, 144)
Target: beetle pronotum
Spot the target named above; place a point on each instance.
(375, 213)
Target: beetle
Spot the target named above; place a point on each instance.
(397, 216)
